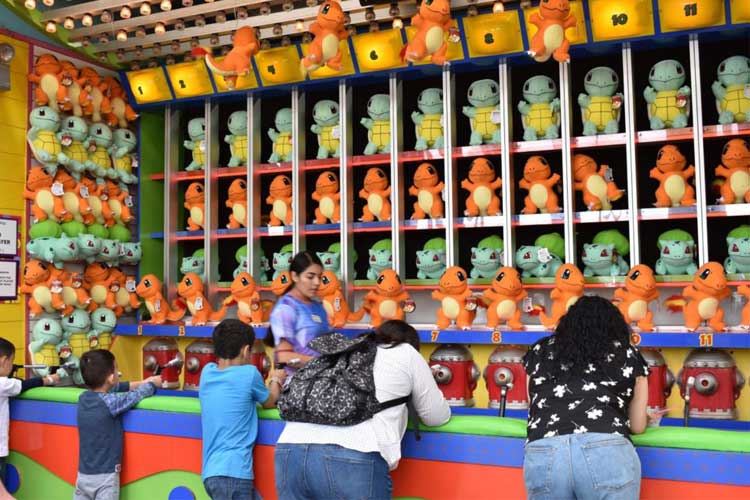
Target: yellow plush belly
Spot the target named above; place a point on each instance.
(451, 307)
(279, 209)
(375, 204)
(707, 308)
(505, 309)
(330, 46)
(196, 214)
(388, 309)
(328, 307)
(434, 39)
(538, 194)
(740, 183)
(150, 307)
(598, 187)
(327, 207)
(43, 296)
(674, 186)
(425, 200)
(482, 197)
(45, 201)
(99, 294)
(637, 310)
(243, 307)
(553, 37)
(570, 302)
(238, 210)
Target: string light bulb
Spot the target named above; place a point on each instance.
(221, 17)
(498, 7)
(200, 21)
(175, 46)
(306, 38)
(103, 38)
(30, 4)
(472, 11)
(394, 11)
(165, 5)
(145, 9)
(138, 51)
(242, 13)
(352, 30)
(48, 3)
(265, 44)
(160, 29)
(122, 36)
(135, 66)
(286, 41)
(194, 42)
(120, 55)
(265, 9)
(277, 30)
(287, 6)
(398, 23)
(103, 57)
(369, 14)
(311, 3)
(179, 25)
(152, 64)
(188, 57)
(125, 12)
(50, 27)
(140, 32)
(374, 26)
(86, 41)
(214, 40)
(105, 16)
(69, 23)
(87, 20)
(156, 49)
(169, 59)
(299, 25)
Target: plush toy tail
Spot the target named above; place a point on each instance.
(356, 316)
(214, 66)
(402, 54)
(218, 315)
(177, 311)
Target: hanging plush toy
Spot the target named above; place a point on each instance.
(73, 132)
(432, 21)
(328, 30)
(483, 113)
(539, 181)
(77, 97)
(124, 289)
(42, 137)
(503, 299)
(540, 109)
(97, 282)
(123, 159)
(731, 90)
(552, 19)
(280, 199)
(738, 249)
(428, 121)
(237, 202)
(704, 298)
(103, 323)
(326, 127)
(95, 87)
(735, 169)
(668, 101)
(481, 185)
(98, 143)
(48, 90)
(598, 186)
(190, 290)
(46, 198)
(46, 338)
(456, 304)
(328, 197)
(378, 125)
(121, 112)
(149, 289)
(281, 283)
(388, 300)
(674, 189)
(101, 213)
(237, 61)
(196, 144)
(195, 203)
(428, 190)
(75, 198)
(120, 202)
(43, 289)
(334, 301)
(281, 136)
(676, 253)
(568, 289)
(640, 289)
(431, 259)
(600, 105)
(237, 138)
(377, 192)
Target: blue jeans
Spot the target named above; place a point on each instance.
(584, 466)
(229, 488)
(312, 471)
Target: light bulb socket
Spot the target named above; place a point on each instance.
(50, 27)
(347, 18)
(104, 39)
(87, 20)
(125, 12)
(145, 9)
(352, 30)
(103, 57)
(175, 46)
(472, 11)
(30, 4)
(120, 55)
(105, 16)
(277, 30)
(265, 44)
(194, 42)
(225, 50)
(169, 59)
(152, 64)
(179, 25)
(122, 36)
(140, 32)
(214, 40)
(287, 6)
(220, 17)
(374, 26)
(307, 38)
(265, 9)
(135, 66)
(156, 49)
(188, 57)
(394, 11)
(138, 51)
(86, 41)
(242, 13)
(69, 23)
(187, 3)
(369, 14)
(286, 41)
(311, 3)
(200, 21)
(48, 3)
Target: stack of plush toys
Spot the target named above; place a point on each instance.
(79, 275)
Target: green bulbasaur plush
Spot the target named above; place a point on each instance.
(487, 257)
(676, 253)
(431, 259)
(738, 248)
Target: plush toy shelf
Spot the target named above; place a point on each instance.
(598, 141)
(322, 228)
(274, 231)
(368, 160)
(426, 155)
(230, 172)
(589, 217)
(739, 209)
(711, 131)
(231, 233)
(423, 224)
(489, 221)
(536, 146)
(538, 219)
(188, 235)
(320, 164)
(365, 227)
(274, 168)
(671, 135)
(666, 213)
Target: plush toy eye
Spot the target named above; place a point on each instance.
(566, 274)
(660, 155)
(635, 275)
(42, 112)
(325, 280)
(127, 135)
(379, 173)
(493, 256)
(493, 88)
(147, 283)
(543, 161)
(431, 170)
(471, 92)
(284, 279)
(398, 278)
(679, 70)
(199, 188)
(188, 282)
(500, 276)
(604, 253)
(460, 276)
(242, 185)
(381, 278)
(435, 258)
(71, 124)
(665, 251)
(428, 2)
(589, 76)
(326, 8)
(705, 274)
(688, 250)
(551, 85)
(285, 181)
(725, 150)
(526, 87)
(203, 127)
(652, 73)
(244, 281)
(331, 178)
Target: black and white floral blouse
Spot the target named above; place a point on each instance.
(597, 400)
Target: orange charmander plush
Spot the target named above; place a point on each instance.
(328, 30)
(704, 297)
(744, 290)
(190, 290)
(74, 295)
(598, 191)
(640, 289)
(49, 91)
(281, 283)
(98, 199)
(552, 20)
(568, 289)
(237, 201)
(245, 294)
(77, 97)
(124, 289)
(735, 169)
(503, 298)
(94, 85)
(237, 61)
(377, 193)
(388, 300)
(328, 197)
(481, 185)
(539, 180)
(149, 289)
(280, 199)
(195, 203)
(98, 282)
(672, 175)
(44, 289)
(121, 113)
(334, 301)
(427, 188)
(44, 203)
(454, 294)
(432, 21)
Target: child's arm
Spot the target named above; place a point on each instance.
(39, 382)
(120, 402)
(274, 388)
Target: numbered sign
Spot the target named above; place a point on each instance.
(190, 79)
(575, 35)
(740, 11)
(493, 34)
(624, 19)
(347, 66)
(279, 65)
(379, 50)
(244, 82)
(679, 15)
(455, 49)
(149, 85)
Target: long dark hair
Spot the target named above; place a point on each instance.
(587, 332)
(395, 332)
(301, 261)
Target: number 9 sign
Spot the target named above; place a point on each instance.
(623, 19)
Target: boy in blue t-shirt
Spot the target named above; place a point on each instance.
(229, 391)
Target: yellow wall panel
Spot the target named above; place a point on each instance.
(18, 87)
(11, 195)
(11, 164)
(15, 108)
(14, 139)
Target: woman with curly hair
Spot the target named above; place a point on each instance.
(588, 390)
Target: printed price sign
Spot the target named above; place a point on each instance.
(623, 19)
(679, 15)
(9, 236)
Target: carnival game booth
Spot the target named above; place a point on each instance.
(463, 185)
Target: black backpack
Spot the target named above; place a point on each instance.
(338, 387)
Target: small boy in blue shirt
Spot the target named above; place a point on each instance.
(229, 391)
(100, 432)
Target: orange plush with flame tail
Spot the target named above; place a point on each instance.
(481, 184)
(120, 111)
(503, 297)
(328, 197)
(377, 193)
(388, 300)
(454, 296)
(195, 203)
(539, 180)
(432, 21)
(640, 289)
(597, 186)
(334, 301)
(735, 169)
(568, 289)
(704, 297)
(49, 91)
(672, 175)
(280, 199)
(250, 309)
(281, 283)
(744, 290)
(237, 62)
(43, 288)
(149, 289)
(428, 189)
(237, 201)
(328, 30)
(190, 290)
(552, 19)
(44, 203)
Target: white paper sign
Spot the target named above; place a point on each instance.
(8, 237)
(8, 279)
(496, 117)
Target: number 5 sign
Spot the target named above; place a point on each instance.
(622, 19)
